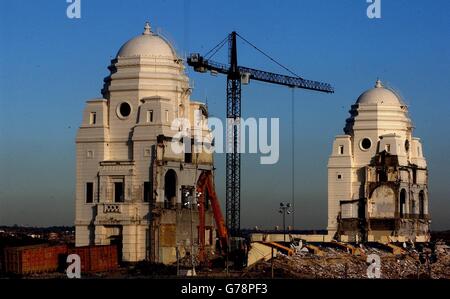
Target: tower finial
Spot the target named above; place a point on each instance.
(378, 83)
(147, 28)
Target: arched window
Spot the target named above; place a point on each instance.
(421, 204)
(402, 202)
(170, 188)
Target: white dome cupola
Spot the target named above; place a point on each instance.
(148, 44)
(381, 110)
(147, 81)
(380, 95)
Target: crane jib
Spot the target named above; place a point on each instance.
(202, 65)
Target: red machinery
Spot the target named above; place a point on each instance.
(205, 186)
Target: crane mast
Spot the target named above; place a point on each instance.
(233, 156)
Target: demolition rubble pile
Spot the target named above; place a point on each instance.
(337, 263)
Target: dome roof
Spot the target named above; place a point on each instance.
(147, 44)
(380, 95)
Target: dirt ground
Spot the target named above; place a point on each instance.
(339, 264)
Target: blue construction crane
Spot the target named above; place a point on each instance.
(237, 75)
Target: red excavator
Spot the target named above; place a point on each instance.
(206, 190)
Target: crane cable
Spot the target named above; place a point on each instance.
(216, 48)
(293, 156)
(268, 56)
(293, 126)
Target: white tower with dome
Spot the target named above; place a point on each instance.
(377, 174)
(132, 188)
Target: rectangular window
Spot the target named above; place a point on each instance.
(339, 176)
(89, 192)
(187, 157)
(167, 116)
(118, 192)
(90, 154)
(93, 118)
(341, 149)
(150, 116)
(347, 210)
(388, 148)
(147, 191)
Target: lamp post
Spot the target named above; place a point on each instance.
(285, 208)
(192, 200)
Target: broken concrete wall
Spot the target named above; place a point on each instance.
(173, 231)
(382, 203)
(394, 204)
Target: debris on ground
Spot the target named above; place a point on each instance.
(338, 263)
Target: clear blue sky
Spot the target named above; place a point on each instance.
(49, 66)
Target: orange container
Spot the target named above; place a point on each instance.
(33, 259)
(97, 258)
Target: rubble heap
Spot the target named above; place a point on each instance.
(337, 263)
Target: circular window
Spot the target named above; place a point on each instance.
(365, 144)
(407, 145)
(124, 110)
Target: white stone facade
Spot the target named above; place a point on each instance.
(377, 174)
(129, 182)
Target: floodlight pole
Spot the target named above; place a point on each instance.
(285, 208)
